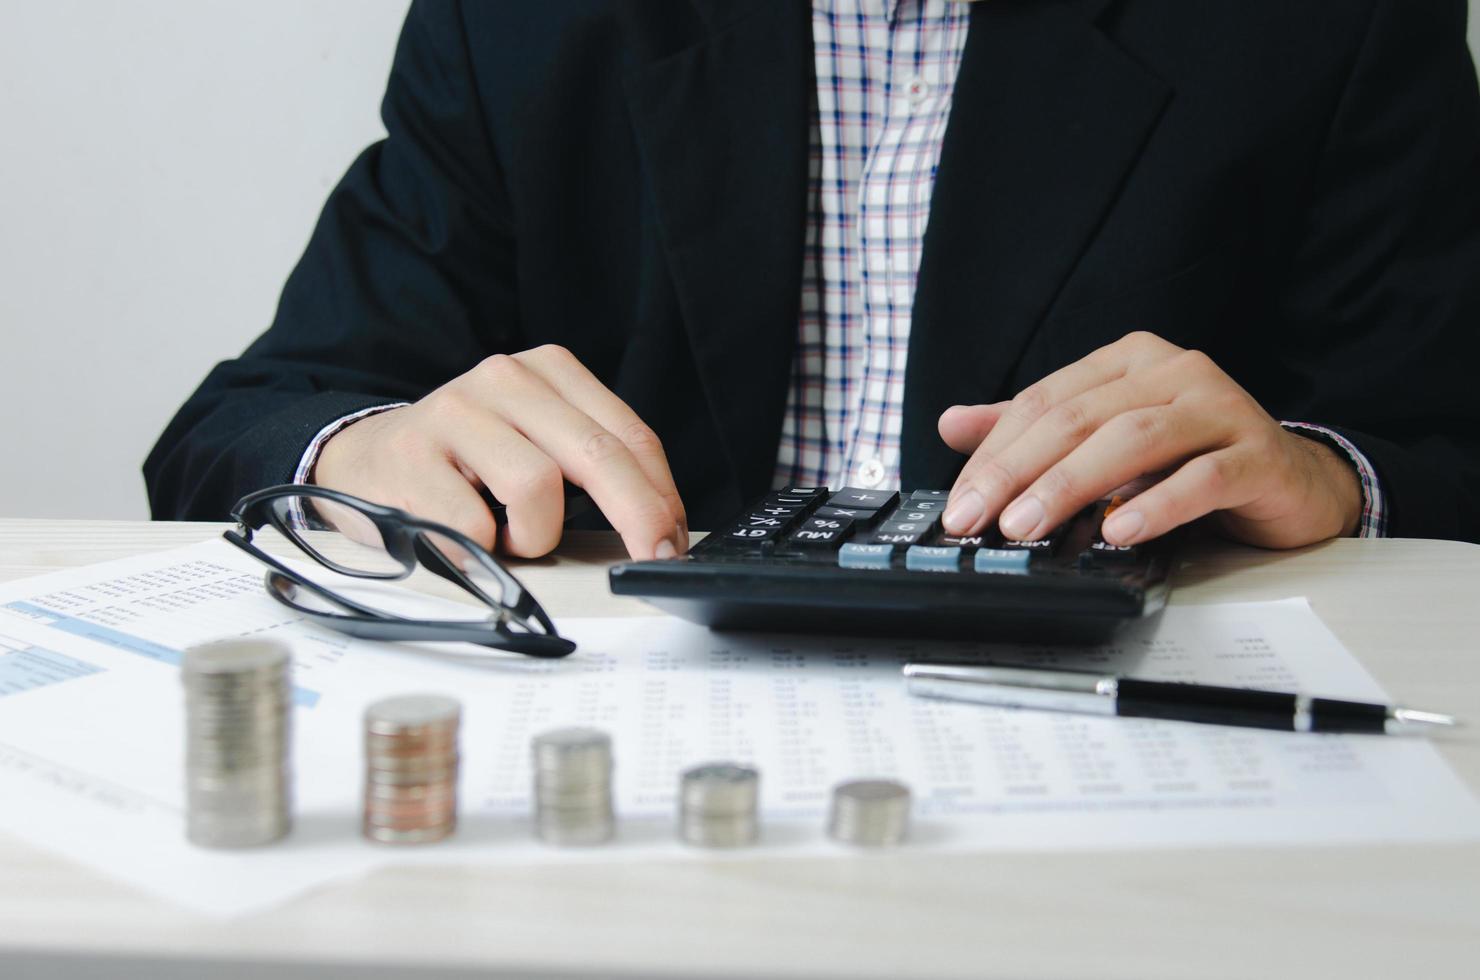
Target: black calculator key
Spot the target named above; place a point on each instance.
(807, 492)
(778, 510)
(787, 500)
(931, 495)
(967, 543)
(859, 516)
(911, 515)
(900, 539)
(820, 537)
(1099, 549)
(867, 499)
(819, 522)
(767, 520)
(1104, 551)
(752, 535)
(936, 506)
(1046, 545)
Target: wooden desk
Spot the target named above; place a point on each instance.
(1409, 609)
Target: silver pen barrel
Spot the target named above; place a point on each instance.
(1014, 687)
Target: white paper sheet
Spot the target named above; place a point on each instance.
(91, 720)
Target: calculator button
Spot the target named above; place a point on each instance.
(1103, 551)
(1043, 546)
(909, 515)
(820, 538)
(787, 500)
(932, 495)
(803, 491)
(765, 520)
(853, 555)
(899, 538)
(1001, 560)
(927, 505)
(863, 498)
(818, 522)
(752, 534)
(859, 516)
(969, 543)
(778, 510)
(924, 558)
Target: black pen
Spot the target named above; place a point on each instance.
(1106, 694)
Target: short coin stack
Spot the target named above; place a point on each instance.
(411, 764)
(573, 786)
(237, 717)
(870, 813)
(718, 804)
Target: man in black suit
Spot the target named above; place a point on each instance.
(1155, 228)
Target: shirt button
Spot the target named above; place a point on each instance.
(870, 473)
(916, 90)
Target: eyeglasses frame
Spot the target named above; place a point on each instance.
(404, 537)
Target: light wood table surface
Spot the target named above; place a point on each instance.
(1410, 610)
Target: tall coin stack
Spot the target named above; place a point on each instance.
(411, 765)
(573, 786)
(718, 804)
(237, 717)
(870, 813)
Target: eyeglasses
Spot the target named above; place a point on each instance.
(373, 543)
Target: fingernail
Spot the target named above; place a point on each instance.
(665, 549)
(1019, 520)
(1123, 526)
(964, 511)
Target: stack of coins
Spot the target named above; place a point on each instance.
(573, 786)
(717, 805)
(869, 813)
(237, 715)
(411, 769)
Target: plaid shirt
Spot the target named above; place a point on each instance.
(886, 70)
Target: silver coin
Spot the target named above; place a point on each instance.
(870, 813)
(568, 750)
(717, 789)
(581, 829)
(238, 784)
(235, 657)
(718, 832)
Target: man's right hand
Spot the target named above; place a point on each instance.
(517, 424)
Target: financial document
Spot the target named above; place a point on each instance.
(91, 736)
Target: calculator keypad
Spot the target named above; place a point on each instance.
(879, 530)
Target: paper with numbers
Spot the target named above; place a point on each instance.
(91, 720)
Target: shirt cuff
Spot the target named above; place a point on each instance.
(1374, 514)
(310, 458)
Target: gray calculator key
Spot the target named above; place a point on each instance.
(1001, 560)
(940, 495)
(854, 555)
(925, 558)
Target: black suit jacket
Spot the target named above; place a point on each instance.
(1288, 185)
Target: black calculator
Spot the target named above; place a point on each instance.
(866, 561)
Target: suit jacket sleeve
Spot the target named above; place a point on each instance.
(1381, 310)
(407, 281)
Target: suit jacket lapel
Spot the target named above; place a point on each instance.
(722, 131)
(1047, 118)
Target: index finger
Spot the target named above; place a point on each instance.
(574, 382)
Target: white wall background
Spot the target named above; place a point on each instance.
(162, 163)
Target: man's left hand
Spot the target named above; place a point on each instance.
(1137, 407)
